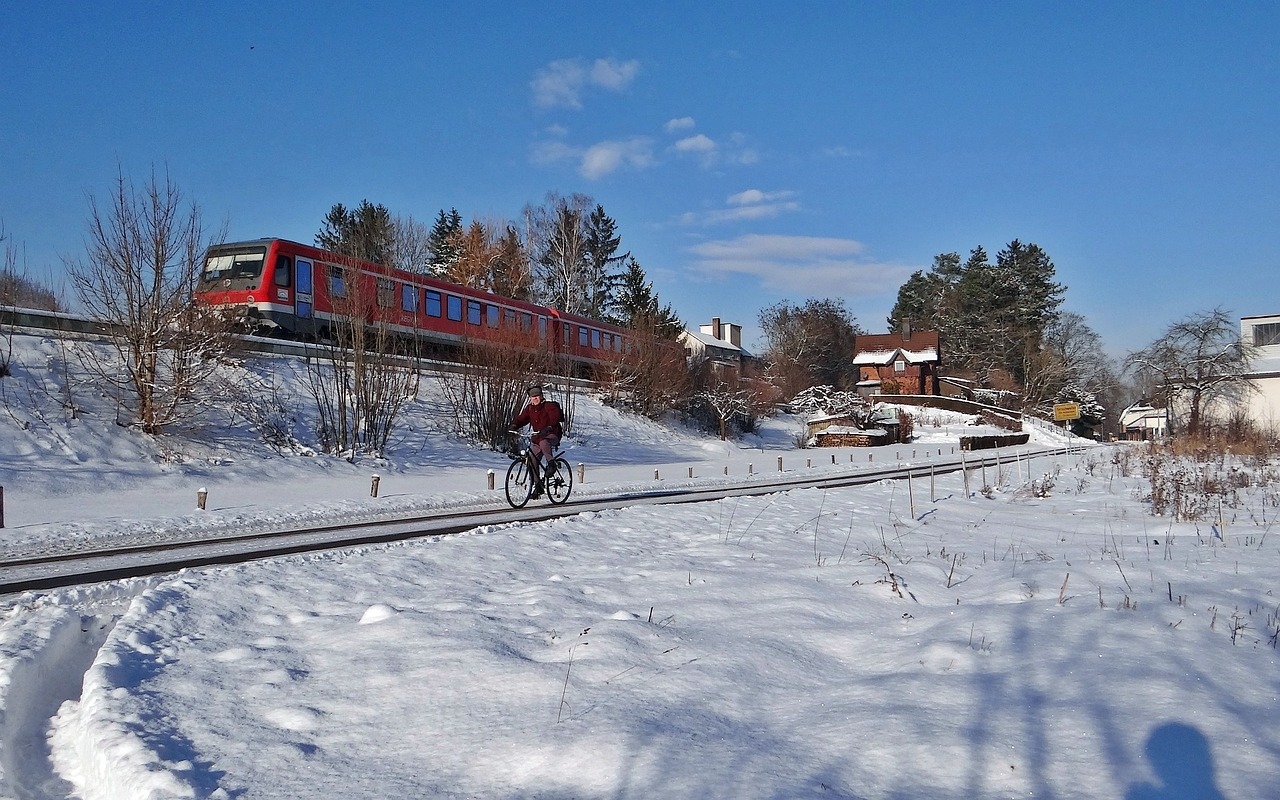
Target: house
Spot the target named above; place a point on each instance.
(898, 363)
(1263, 404)
(719, 343)
(1142, 422)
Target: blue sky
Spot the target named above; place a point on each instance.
(751, 152)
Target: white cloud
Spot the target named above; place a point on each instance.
(614, 75)
(560, 83)
(746, 205)
(549, 153)
(800, 265)
(683, 123)
(712, 153)
(597, 160)
(696, 144)
(606, 157)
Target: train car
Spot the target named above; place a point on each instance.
(296, 291)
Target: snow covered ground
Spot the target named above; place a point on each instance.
(1046, 638)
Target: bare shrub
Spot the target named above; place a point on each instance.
(145, 253)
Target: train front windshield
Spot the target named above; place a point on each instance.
(241, 263)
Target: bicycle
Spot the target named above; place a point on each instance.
(524, 477)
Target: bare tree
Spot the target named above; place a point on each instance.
(1198, 360)
(557, 239)
(410, 248)
(651, 376)
(361, 383)
(145, 252)
(488, 391)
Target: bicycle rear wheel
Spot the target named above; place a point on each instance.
(560, 484)
(519, 483)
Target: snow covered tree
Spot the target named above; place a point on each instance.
(992, 317)
(442, 241)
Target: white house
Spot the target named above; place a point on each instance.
(1263, 332)
(1141, 422)
(719, 342)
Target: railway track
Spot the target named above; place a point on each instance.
(72, 568)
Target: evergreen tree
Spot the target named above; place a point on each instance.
(601, 242)
(992, 317)
(365, 232)
(635, 305)
(443, 241)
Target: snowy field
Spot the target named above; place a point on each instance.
(1045, 638)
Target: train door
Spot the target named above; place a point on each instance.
(302, 288)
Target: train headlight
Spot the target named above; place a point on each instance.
(250, 300)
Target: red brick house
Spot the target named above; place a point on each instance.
(909, 361)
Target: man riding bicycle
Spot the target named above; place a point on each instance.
(546, 419)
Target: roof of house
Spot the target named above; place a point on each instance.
(879, 357)
(707, 340)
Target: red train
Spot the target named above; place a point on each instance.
(297, 291)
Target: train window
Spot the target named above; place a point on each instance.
(509, 318)
(617, 344)
(582, 336)
(455, 308)
(526, 321)
(433, 303)
(595, 339)
(284, 269)
(542, 328)
(473, 312)
(337, 282)
(386, 292)
(235, 265)
(409, 298)
(491, 313)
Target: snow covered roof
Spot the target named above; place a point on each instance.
(928, 355)
(710, 341)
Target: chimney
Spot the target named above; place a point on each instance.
(735, 335)
(906, 329)
(715, 327)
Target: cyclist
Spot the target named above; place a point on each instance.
(546, 419)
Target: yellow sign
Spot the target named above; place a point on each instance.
(1065, 411)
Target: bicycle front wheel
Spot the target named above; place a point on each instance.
(519, 484)
(560, 484)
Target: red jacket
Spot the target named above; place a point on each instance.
(545, 419)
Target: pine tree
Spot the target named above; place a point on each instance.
(635, 305)
(442, 241)
(601, 280)
(365, 232)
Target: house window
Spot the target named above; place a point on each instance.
(899, 366)
(1266, 334)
